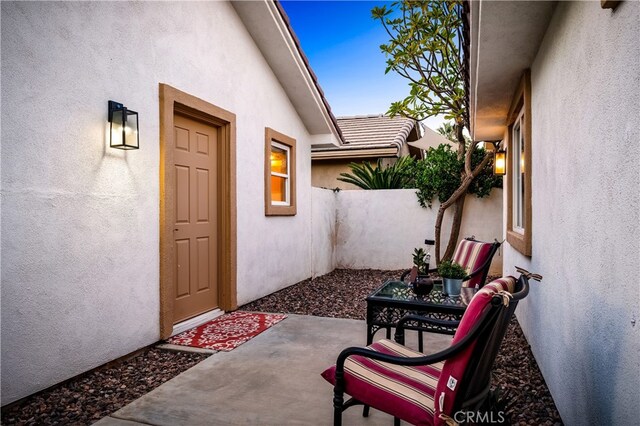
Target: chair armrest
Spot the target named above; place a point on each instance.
(400, 325)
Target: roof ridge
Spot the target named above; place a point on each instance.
(347, 117)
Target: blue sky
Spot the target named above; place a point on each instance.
(342, 43)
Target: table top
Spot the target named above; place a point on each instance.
(400, 292)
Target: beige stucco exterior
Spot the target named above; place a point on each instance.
(325, 173)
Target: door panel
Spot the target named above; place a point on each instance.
(195, 227)
(183, 286)
(203, 263)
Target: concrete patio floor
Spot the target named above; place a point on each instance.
(273, 379)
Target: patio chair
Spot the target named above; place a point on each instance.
(430, 389)
(475, 256)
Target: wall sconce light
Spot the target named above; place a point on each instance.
(499, 160)
(123, 127)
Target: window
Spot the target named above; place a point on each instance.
(519, 169)
(280, 174)
(518, 173)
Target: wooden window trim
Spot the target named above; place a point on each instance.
(173, 100)
(271, 209)
(522, 99)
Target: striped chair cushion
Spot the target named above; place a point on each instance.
(404, 392)
(471, 255)
(454, 367)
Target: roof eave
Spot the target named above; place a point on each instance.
(361, 152)
(269, 27)
(504, 40)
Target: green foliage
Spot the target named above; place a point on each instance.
(419, 260)
(395, 176)
(450, 269)
(426, 40)
(425, 47)
(448, 130)
(438, 175)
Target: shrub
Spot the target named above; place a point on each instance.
(438, 175)
(395, 176)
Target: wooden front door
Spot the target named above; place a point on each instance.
(195, 228)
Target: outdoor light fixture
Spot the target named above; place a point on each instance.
(499, 160)
(123, 127)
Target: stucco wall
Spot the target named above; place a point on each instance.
(80, 239)
(325, 173)
(586, 213)
(323, 224)
(379, 229)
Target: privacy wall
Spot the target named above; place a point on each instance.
(379, 229)
(80, 221)
(582, 320)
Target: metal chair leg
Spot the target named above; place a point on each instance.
(337, 416)
(338, 402)
(365, 411)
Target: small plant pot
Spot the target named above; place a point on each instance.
(451, 286)
(422, 286)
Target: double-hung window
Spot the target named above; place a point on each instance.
(519, 169)
(519, 206)
(280, 167)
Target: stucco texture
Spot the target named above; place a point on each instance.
(80, 221)
(582, 319)
(323, 224)
(379, 229)
(325, 173)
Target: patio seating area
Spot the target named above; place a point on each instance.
(515, 370)
(275, 377)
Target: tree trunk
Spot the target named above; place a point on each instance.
(438, 230)
(457, 199)
(455, 228)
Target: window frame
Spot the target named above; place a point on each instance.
(519, 237)
(281, 141)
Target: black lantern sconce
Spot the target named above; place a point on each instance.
(499, 159)
(123, 127)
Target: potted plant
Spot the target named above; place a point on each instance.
(452, 276)
(421, 282)
(421, 261)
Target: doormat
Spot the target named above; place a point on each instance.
(228, 331)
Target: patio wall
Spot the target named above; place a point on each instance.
(80, 221)
(379, 229)
(323, 224)
(582, 320)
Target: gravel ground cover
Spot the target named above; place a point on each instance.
(90, 397)
(342, 293)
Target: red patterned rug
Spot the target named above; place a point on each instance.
(227, 331)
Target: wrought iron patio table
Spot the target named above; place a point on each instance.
(395, 299)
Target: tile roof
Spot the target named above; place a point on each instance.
(375, 130)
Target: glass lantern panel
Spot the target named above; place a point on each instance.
(116, 128)
(131, 130)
